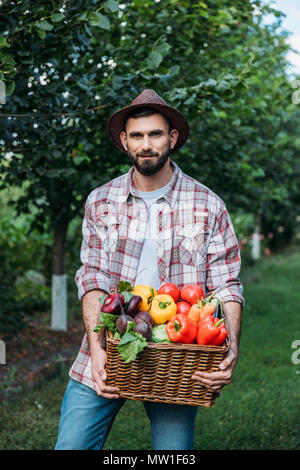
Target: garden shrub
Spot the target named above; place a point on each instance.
(24, 286)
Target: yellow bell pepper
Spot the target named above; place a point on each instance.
(163, 308)
(147, 293)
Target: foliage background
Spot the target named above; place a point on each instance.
(68, 65)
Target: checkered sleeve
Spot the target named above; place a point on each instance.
(223, 260)
(94, 271)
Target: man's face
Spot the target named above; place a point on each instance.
(148, 142)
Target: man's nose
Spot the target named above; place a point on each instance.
(147, 144)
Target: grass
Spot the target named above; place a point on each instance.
(259, 410)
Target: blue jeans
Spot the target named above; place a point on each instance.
(86, 420)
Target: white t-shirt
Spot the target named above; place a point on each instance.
(147, 268)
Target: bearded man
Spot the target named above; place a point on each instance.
(150, 226)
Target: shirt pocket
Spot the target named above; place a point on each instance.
(192, 241)
(107, 226)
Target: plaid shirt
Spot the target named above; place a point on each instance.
(195, 243)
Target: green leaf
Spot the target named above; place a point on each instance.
(80, 159)
(127, 295)
(29, 60)
(98, 328)
(111, 5)
(154, 60)
(190, 100)
(67, 172)
(117, 82)
(7, 60)
(97, 19)
(131, 344)
(93, 19)
(53, 173)
(124, 286)
(210, 83)
(3, 42)
(160, 335)
(44, 25)
(102, 298)
(41, 33)
(104, 22)
(129, 330)
(83, 16)
(24, 52)
(9, 88)
(107, 320)
(57, 17)
(163, 48)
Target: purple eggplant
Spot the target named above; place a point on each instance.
(131, 306)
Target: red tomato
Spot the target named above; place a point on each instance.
(191, 292)
(183, 307)
(170, 289)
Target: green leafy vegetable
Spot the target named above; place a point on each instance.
(124, 286)
(160, 335)
(107, 320)
(102, 298)
(127, 295)
(131, 343)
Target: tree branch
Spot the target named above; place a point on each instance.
(34, 115)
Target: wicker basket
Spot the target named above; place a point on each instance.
(162, 372)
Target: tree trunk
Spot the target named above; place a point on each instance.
(2, 352)
(256, 240)
(59, 279)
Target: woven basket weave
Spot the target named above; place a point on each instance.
(162, 372)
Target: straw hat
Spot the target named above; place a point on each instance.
(148, 98)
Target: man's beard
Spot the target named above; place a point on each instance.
(151, 166)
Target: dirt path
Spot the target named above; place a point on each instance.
(35, 354)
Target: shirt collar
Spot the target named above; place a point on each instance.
(170, 195)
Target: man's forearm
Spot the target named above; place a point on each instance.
(233, 314)
(216, 380)
(90, 314)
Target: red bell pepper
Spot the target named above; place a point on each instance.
(181, 329)
(211, 330)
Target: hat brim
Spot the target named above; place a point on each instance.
(115, 124)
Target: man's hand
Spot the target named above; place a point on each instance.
(98, 362)
(90, 314)
(215, 381)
